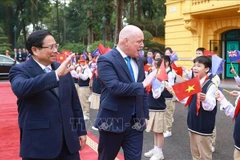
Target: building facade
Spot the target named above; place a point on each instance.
(212, 24)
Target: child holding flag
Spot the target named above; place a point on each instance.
(170, 103)
(157, 105)
(84, 74)
(232, 112)
(201, 109)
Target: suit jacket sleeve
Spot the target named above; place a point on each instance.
(110, 78)
(145, 105)
(23, 86)
(78, 114)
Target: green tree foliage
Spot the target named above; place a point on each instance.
(74, 47)
(147, 35)
(94, 45)
(82, 17)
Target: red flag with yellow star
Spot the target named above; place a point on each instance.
(187, 88)
(60, 58)
(162, 74)
(179, 71)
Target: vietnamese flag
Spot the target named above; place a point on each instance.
(147, 68)
(101, 48)
(162, 74)
(65, 53)
(173, 65)
(179, 71)
(60, 58)
(187, 88)
(208, 53)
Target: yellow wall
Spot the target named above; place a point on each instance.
(193, 23)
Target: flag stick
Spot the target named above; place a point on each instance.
(227, 91)
(231, 65)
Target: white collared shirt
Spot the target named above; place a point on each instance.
(133, 63)
(84, 75)
(43, 67)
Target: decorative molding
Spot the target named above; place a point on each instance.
(191, 25)
(221, 25)
(185, 59)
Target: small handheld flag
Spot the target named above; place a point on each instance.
(234, 55)
(187, 88)
(162, 74)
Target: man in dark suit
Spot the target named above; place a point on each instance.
(50, 115)
(123, 108)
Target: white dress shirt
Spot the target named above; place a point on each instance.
(43, 67)
(133, 63)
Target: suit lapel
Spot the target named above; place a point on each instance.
(121, 61)
(56, 89)
(36, 70)
(138, 64)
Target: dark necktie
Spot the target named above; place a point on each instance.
(133, 79)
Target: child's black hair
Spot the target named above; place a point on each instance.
(201, 49)
(167, 59)
(158, 52)
(168, 48)
(206, 61)
(158, 62)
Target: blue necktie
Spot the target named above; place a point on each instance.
(47, 69)
(133, 79)
(130, 67)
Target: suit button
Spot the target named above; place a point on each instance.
(60, 121)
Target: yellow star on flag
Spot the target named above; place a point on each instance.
(190, 88)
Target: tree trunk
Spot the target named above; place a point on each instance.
(64, 23)
(118, 27)
(58, 25)
(139, 10)
(9, 28)
(24, 33)
(90, 28)
(131, 11)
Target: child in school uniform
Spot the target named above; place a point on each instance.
(170, 103)
(216, 80)
(96, 91)
(188, 74)
(236, 77)
(232, 112)
(156, 103)
(201, 121)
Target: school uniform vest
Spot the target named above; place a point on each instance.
(96, 85)
(156, 104)
(75, 80)
(83, 83)
(204, 122)
(236, 133)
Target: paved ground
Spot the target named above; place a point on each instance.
(176, 147)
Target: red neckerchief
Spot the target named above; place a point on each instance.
(149, 88)
(198, 99)
(237, 109)
(94, 72)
